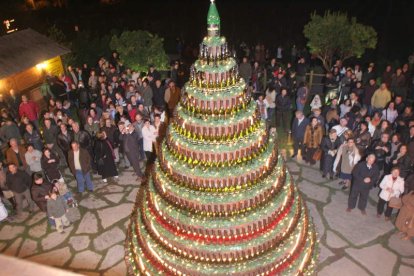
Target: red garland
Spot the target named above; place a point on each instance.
(215, 239)
(163, 268)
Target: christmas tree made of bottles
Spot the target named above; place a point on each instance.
(220, 200)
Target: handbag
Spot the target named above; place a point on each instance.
(395, 202)
(317, 155)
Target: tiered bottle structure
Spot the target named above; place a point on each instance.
(220, 200)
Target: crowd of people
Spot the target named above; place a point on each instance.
(95, 121)
(360, 127)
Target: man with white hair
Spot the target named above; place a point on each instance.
(364, 176)
(298, 131)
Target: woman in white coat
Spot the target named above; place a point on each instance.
(392, 185)
(3, 211)
(149, 135)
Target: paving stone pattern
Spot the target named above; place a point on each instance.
(350, 243)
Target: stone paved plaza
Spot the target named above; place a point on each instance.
(350, 243)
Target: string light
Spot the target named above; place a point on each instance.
(220, 198)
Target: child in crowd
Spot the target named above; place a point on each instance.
(262, 105)
(57, 209)
(63, 190)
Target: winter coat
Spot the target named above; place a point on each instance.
(64, 141)
(9, 131)
(29, 109)
(34, 138)
(350, 157)
(360, 172)
(147, 96)
(84, 97)
(362, 140)
(18, 182)
(50, 134)
(105, 159)
(313, 136)
(388, 182)
(403, 162)
(245, 71)
(34, 165)
(12, 158)
(84, 160)
(56, 208)
(298, 130)
(158, 96)
(405, 219)
(172, 97)
(83, 138)
(113, 135)
(51, 170)
(149, 137)
(283, 103)
(368, 93)
(92, 129)
(381, 98)
(39, 192)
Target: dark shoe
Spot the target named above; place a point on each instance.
(341, 183)
(344, 188)
(293, 156)
(324, 176)
(331, 177)
(363, 212)
(349, 210)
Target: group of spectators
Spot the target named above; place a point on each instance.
(95, 121)
(360, 127)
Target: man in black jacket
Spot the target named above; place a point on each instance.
(330, 145)
(283, 107)
(85, 141)
(64, 138)
(158, 92)
(19, 182)
(40, 191)
(298, 132)
(381, 148)
(364, 176)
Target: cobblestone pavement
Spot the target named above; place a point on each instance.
(350, 243)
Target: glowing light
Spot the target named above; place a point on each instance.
(41, 66)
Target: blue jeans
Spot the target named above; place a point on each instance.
(299, 106)
(81, 178)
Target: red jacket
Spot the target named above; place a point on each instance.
(29, 109)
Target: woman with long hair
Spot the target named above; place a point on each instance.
(402, 160)
(50, 165)
(312, 140)
(349, 156)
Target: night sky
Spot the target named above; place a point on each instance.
(271, 22)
